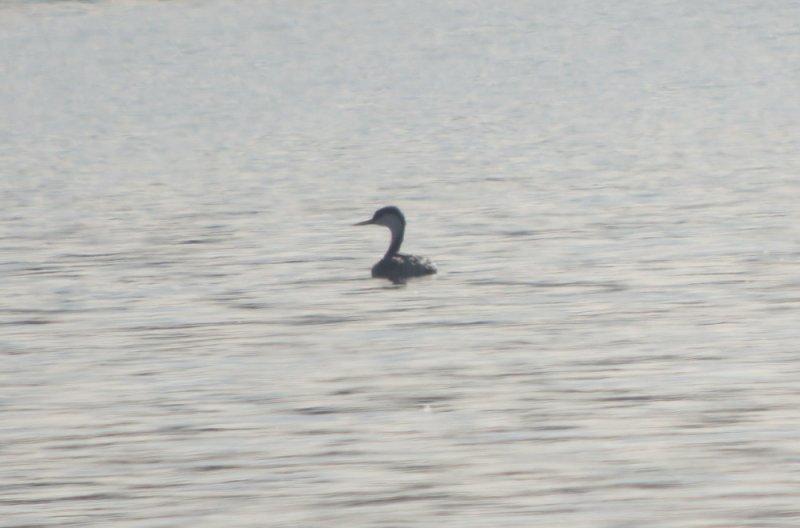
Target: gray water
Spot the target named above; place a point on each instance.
(190, 335)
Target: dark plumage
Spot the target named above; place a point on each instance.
(397, 266)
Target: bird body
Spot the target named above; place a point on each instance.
(397, 266)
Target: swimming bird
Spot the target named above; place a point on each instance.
(396, 266)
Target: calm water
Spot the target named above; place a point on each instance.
(188, 329)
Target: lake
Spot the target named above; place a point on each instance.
(190, 334)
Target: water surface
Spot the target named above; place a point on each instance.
(190, 335)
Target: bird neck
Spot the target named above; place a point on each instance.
(397, 240)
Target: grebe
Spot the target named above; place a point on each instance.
(395, 266)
